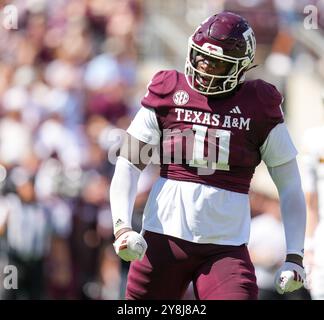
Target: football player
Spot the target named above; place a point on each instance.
(313, 185)
(212, 129)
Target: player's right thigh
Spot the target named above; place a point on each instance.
(164, 273)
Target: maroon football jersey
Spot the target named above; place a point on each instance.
(210, 140)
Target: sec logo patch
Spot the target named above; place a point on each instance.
(181, 97)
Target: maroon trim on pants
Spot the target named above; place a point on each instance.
(218, 272)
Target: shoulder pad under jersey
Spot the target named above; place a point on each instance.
(163, 82)
(267, 93)
(269, 105)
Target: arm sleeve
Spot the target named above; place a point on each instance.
(123, 190)
(145, 127)
(278, 148)
(292, 203)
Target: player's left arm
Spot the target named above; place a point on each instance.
(279, 154)
(291, 275)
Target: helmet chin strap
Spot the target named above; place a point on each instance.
(242, 78)
(252, 67)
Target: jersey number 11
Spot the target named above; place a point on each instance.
(223, 145)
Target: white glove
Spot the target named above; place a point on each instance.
(289, 277)
(130, 246)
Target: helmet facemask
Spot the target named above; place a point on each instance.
(213, 84)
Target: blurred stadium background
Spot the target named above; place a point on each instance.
(74, 70)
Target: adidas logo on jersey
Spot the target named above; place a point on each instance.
(236, 110)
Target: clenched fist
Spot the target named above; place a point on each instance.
(130, 246)
(289, 277)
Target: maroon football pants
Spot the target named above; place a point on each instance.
(218, 272)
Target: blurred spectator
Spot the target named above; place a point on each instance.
(30, 225)
(106, 88)
(15, 135)
(66, 79)
(86, 241)
(54, 138)
(313, 184)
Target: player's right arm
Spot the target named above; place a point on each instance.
(134, 156)
(144, 131)
(129, 245)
